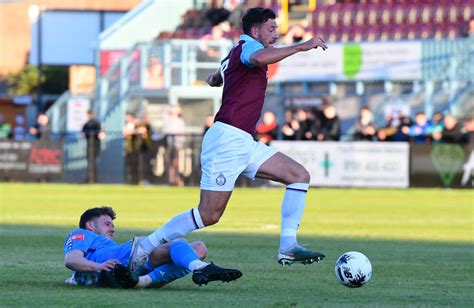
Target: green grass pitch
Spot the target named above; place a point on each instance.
(420, 243)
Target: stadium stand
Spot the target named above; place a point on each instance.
(356, 22)
(443, 84)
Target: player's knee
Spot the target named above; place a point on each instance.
(211, 217)
(201, 249)
(299, 175)
(305, 176)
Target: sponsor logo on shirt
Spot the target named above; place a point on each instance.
(79, 236)
(73, 237)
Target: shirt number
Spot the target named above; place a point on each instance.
(224, 66)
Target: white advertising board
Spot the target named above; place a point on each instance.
(368, 61)
(77, 108)
(351, 164)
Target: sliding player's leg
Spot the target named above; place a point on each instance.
(186, 258)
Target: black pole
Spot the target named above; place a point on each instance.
(39, 100)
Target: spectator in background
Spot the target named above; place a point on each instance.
(5, 128)
(131, 155)
(217, 15)
(290, 130)
(468, 29)
(364, 128)
(387, 132)
(218, 33)
(396, 128)
(330, 129)
(296, 34)
(420, 130)
(40, 129)
(174, 128)
(404, 122)
(305, 125)
(437, 125)
(143, 146)
(235, 17)
(268, 129)
(93, 133)
(314, 117)
(438, 121)
(19, 131)
(137, 143)
(451, 132)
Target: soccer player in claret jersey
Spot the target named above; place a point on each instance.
(228, 149)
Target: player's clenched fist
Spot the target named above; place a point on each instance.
(214, 79)
(313, 43)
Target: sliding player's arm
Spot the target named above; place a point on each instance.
(75, 261)
(266, 56)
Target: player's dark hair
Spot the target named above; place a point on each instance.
(95, 212)
(255, 17)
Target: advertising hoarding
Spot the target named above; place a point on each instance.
(351, 164)
(31, 159)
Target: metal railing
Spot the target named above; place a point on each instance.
(159, 66)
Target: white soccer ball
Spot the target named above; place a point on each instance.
(353, 269)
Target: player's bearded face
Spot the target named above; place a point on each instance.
(103, 226)
(267, 33)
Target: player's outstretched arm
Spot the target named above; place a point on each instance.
(215, 79)
(75, 261)
(272, 55)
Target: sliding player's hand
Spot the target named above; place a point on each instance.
(108, 265)
(314, 43)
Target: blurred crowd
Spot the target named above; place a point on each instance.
(18, 131)
(325, 125)
(317, 124)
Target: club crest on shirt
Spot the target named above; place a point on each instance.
(220, 180)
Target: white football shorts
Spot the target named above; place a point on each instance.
(227, 152)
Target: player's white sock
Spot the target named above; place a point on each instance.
(143, 282)
(292, 210)
(196, 264)
(177, 227)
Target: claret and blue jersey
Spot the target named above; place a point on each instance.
(244, 86)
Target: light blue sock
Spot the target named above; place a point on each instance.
(184, 255)
(292, 210)
(167, 273)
